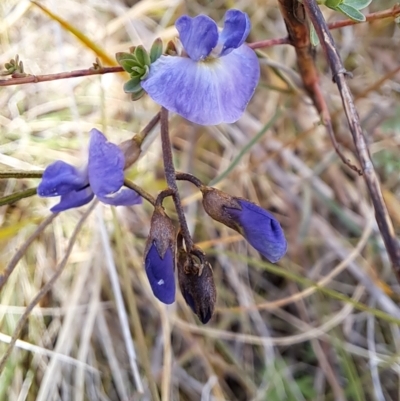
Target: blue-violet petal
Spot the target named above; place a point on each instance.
(206, 93)
(198, 35)
(236, 29)
(123, 197)
(59, 178)
(160, 272)
(105, 166)
(73, 199)
(261, 230)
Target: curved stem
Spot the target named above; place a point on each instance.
(169, 169)
(144, 194)
(189, 177)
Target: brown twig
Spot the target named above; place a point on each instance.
(339, 73)
(299, 36)
(61, 75)
(391, 12)
(59, 269)
(262, 44)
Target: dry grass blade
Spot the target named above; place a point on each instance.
(59, 269)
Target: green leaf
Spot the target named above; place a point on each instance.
(352, 13)
(129, 65)
(133, 85)
(123, 56)
(357, 4)
(313, 36)
(137, 95)
(141, 56)
(333, 4)
(156, 50)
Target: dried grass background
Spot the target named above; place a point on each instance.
(322, 324)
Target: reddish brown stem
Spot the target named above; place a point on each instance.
(339, 74)
(29, 79)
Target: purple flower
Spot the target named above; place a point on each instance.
(102, 176)
(213, 80)
(160, 273)
(159, 259)
(260, 229)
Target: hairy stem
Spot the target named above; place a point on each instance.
(339, 73)
(169, 169)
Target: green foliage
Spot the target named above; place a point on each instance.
(350, 8)
(137, 64)
(14, 67)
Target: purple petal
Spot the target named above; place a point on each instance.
(198, 35)
(59, 178)
(124, 197)
(160, 272)
(73, 199)
(206, 93)
(236, 29)
(106, 165)
(260, 229)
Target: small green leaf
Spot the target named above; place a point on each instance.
(156, 50)
(352, 13)
(138, 70)
(132, 86)
(137, 95)
(129, 65)
(146, 72)
(357, 4)
(333, 4)
(123, 56)
(313, 36)
(141, 56)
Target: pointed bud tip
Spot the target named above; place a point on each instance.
(160, 273)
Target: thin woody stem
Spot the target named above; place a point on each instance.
(339, 73)
(29, 79)
(169, 169)
(189, 177)
(262, 44)
(144, 194)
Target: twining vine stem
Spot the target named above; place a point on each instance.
(169, 169)
(339, 75)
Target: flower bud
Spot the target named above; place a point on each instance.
(257, 226)
(160, 256)
(196, 281)
(131, 150)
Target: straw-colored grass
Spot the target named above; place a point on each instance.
(322, 324)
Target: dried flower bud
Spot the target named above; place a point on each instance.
(131, 150)
(160, 256)
(257, 226)
(196, 282)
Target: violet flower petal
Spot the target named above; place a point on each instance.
(198, 35)
(106, 172)
(206, 93)
(260, 229)
(236, 29)
(60, 178)
(160, 272)
(73, 199)
(123, 197)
